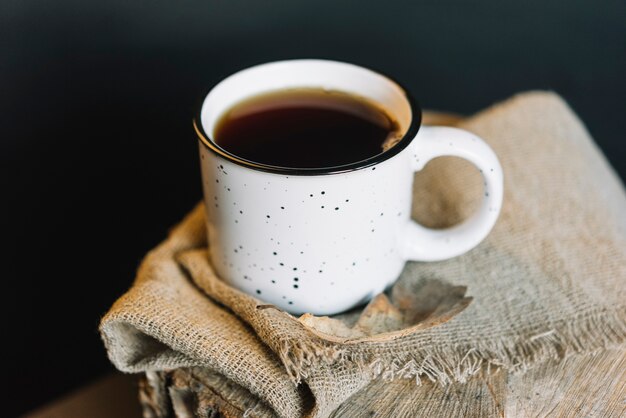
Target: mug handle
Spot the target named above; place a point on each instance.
(426, 244)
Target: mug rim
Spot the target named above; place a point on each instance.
(407, 138)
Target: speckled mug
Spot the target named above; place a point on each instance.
(324, 240)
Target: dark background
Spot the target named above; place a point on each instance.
(98, 158)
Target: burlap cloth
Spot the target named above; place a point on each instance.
(547, 283)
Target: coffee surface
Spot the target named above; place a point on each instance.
(305, 128)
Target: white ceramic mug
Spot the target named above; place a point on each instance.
(326, 239)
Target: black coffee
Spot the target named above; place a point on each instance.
(305, 128)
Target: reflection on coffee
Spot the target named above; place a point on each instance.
(305, 128)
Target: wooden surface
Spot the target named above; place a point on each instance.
(114, 396)
(580, 386)
(589, 386)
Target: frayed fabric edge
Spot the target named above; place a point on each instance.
(587, 333)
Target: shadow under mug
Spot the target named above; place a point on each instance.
(323, 240)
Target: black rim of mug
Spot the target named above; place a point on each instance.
(409, 135)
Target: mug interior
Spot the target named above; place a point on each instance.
(328, 75)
